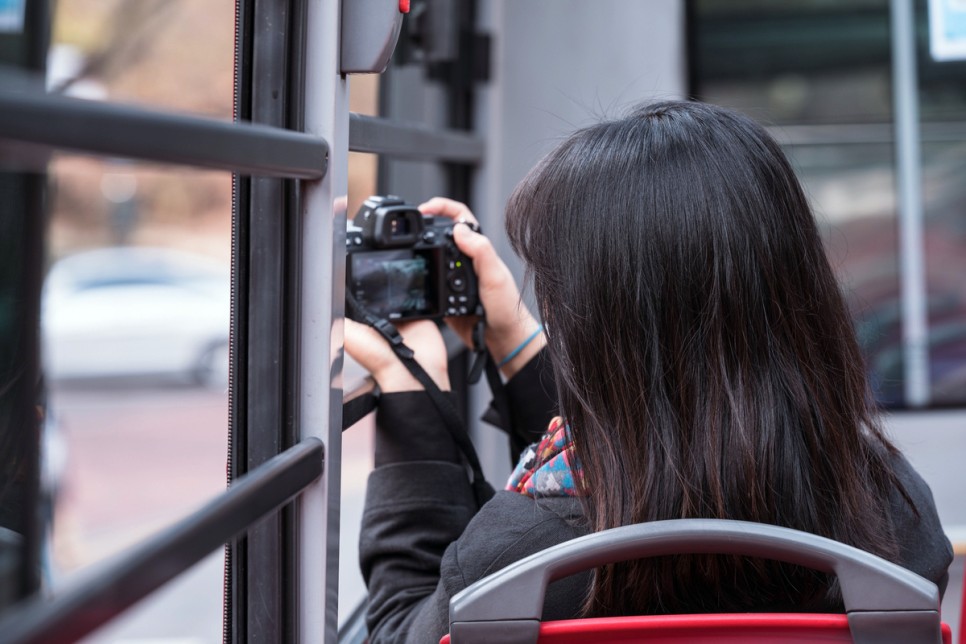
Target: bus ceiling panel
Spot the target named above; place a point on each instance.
(413, 141)
(41, 121)
(109, 591)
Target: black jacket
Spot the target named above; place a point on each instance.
(423, 539)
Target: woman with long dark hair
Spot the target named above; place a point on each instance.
(698, 362)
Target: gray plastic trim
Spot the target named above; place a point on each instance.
(370, 29)
(869, 584)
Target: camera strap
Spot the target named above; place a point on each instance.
(482, 490)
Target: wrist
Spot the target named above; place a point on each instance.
(502, 339)
(397, 378)
(514, 350)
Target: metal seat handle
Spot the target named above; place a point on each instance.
(874, 590)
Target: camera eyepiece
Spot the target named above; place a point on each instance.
(389, 222)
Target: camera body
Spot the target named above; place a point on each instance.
(403, 265)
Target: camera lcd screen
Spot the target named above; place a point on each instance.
(393, 283)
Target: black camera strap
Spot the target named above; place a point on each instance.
(482, 490)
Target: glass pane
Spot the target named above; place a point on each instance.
(135, 324)
(942, 90)
(171, 54)
(942, 104)
(944, 166)
(136, 306)
(823, 64)
(852, 192)
(798, 61)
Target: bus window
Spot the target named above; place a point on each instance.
(137, 305)
(822, 75)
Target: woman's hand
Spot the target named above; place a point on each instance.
(371, 350)
(508, 322)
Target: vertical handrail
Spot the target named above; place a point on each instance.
(912, 276)
(321, 304)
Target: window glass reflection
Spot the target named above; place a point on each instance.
(136, 305)
(944, 165)
(797, 61)
(819, 73)
(852, 192)
(135, 321)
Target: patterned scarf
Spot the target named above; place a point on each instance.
(548, 468)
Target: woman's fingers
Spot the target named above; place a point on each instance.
(455, 210)
(508, 321)
(490, 270)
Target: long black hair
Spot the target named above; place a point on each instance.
(705, 360)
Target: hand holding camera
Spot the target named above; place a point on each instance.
(399, 272)
(508, 321)
(404, 265)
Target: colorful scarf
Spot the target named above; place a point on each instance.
(548, 468)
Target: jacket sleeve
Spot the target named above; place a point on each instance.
(418, 502)
(423, 538)
(413, 571)
(923, 546)
(530, 399)
(414, 512)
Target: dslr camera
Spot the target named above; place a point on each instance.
(404, 265)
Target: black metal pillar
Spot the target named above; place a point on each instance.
(261, 579)
(21, 389)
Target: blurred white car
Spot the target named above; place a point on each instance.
(130, 311)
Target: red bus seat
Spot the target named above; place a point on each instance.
(884, 603)
(797, 628)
